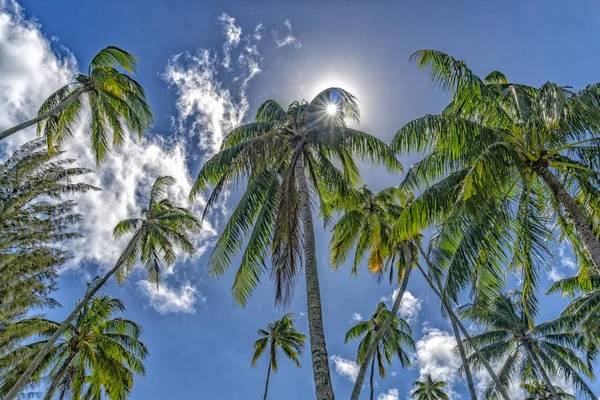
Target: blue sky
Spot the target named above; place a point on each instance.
(200, 342)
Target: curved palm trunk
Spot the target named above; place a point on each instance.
(318, 347)
(373, 346)
(267, 384)
(457, 321)
(58, 377)
(371, 379)
(24, 378)
(59, 107)
(463, 357)
(589, 239)
(540, 367)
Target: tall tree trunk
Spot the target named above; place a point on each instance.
(540, 367)
(318, 347)
(463, 357)
(457, 321)
(267, 384)
(59, 107)
(371, 378)
(58, 377)
(589, 239)
(360, 378)
(24, 378)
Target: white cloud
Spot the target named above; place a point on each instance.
(436, 356)
(166, 299)
(345, 367)
(288, 39)
(29, 72)
(391, 394)
(356, 317)
(555, 275)
(232, 34)
(410, 306)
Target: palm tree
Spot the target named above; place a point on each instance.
(36, 223)
(516, 159)
(430, 390)
(548, 349)
(291, 158)
(116, 101)
(397, 335)
(539, 391)
(161, 227)
(279, 334)
(97, 353)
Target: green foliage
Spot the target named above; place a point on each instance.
(537, 390)
(271, 154)
(398, 335)
(96, 358)
(430, 390)
(509, 340)
(116, 102)
(280, 334)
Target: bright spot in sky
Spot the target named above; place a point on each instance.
(331, 109)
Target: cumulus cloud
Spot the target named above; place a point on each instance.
(166, 299)
(410, 306)
(288, 37)
(391, 394)
(436, 356)
(30, 70)
(345, 367)
(356, 317)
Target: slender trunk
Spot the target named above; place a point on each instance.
(22, 381)
(371, 379)
(457, 321)
(58, 377)
(318, 347)
(463, 358)
(540, 367)
(267, 384)
(59, 107)
(360, 378)
(589, 239)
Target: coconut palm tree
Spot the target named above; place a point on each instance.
(291, 158)
(430, 390)
(514, 158)
(548, 350)
(115, 99)
(538, 390)
(279, 334)
(97, 354)
(397, 335)
(155, 235)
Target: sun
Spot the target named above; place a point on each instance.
(332, 109)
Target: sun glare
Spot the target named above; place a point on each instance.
(332, 109)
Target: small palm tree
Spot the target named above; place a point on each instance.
(279, 334)
(116, 101)
(397, 335)
(548, 349)
(292, 158)
(430, 390)
(155, 235)
(539, 391)
(96, 354)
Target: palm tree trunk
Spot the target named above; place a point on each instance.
(58, 376)
(318, 347)
(24, 378)
(540, 367)
(463, 357)
(589, 239)
(371, 379)
(457, 321)
(59, 107)
(267, 384)
(360, 378)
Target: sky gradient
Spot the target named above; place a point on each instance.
(207, 66)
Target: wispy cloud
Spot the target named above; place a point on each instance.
(345, 367)
(391, 394)
(288, 37)
(166, 299)
(233, 34)
(356, 317)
